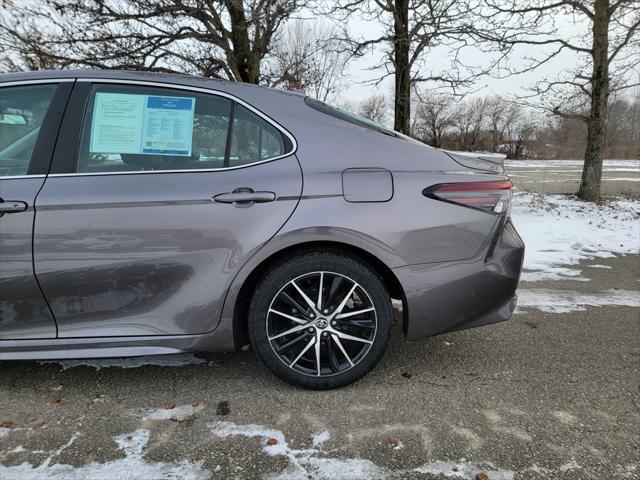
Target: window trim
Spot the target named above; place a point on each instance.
(208, 91)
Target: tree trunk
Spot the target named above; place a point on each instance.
(402, 101)
(242, 60)
(597, 122)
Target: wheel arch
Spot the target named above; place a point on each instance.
(241, 306)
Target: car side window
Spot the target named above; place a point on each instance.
(253, 139)
(137, 128)
(22, 111)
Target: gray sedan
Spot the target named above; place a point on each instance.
(152, 214)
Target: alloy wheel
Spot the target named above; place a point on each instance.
(321, 323)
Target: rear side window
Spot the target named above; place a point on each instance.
(22, 111)
(253, 139)
(139, 128)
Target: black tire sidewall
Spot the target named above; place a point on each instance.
(287, 270)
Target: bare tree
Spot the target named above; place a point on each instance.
(307, 57)
(214, 38)
(374, 108)
(520, 132)
(501, 113)
(435, 115)
(609, 43)
(470, 124)
(411, 30)
(623, 127)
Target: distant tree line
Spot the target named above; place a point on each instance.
(496, 124)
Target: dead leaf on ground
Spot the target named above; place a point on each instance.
(40, 423)
(169, 405)
(8, 424)
(482, 476)
(195, 404)
(395, 442)
(272, 441)
(58, 402)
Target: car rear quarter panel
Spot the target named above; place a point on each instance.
(409, 227)
(408, 232)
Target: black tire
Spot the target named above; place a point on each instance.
(338, 268)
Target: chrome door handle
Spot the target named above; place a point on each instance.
(12, 206)
(245, 196)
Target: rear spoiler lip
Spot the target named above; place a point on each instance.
(497, 158)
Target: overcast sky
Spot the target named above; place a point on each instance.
(358, 70)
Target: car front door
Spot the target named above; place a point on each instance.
(30, 116)
(157, 197)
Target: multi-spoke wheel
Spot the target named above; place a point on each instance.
(320, 320)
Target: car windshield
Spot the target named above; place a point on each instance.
(356, 119)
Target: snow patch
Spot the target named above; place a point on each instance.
(303, 463)
(633, 165)
(4, 431)
(306, 463)
(569, 466)
(319, 438)
(178, 413)
(131, 362)
(605, 267)
(132, 467)
(339, 469)
(561, 231)
(561, 301)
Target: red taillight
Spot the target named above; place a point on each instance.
(489, 196)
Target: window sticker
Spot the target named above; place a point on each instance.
(142, 124)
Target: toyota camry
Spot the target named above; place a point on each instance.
(151, 214)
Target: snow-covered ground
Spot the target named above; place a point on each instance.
(133, 466)
(316, 463)
(561, 231)
(619, 177)
(574, 165)
(565, 301)
(303, 463)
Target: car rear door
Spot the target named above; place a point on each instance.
(157, 197)
(30, 115)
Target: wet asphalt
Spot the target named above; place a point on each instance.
(545, 395)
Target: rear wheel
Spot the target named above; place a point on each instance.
(320, 320)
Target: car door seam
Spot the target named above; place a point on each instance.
(226, 295)
(33, 224)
